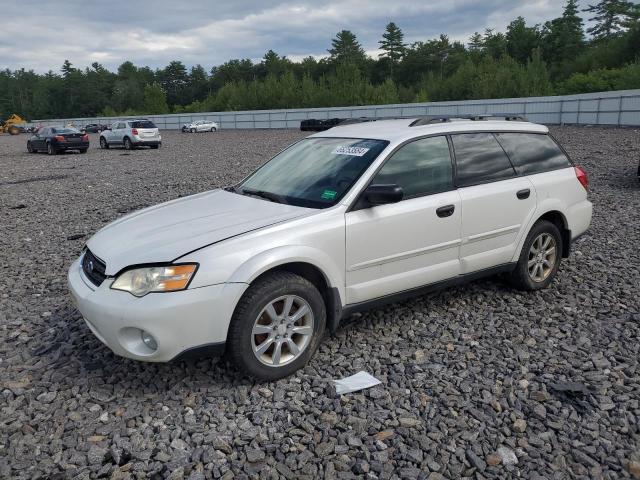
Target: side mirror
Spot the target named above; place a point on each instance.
(383, 194)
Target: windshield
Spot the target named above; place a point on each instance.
(143, 124)
(315, 172)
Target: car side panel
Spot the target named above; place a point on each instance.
(494, 220)
(560, 191)
(400, 246)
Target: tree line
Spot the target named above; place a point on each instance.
(557, 57)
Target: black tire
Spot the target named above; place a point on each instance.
(214, 129)
(30, 148)
(252, 303)
(83, 150)
(520, 277)
(51, 150)
(127, 144)
(104, 144)
(193, 130)
(155, 147)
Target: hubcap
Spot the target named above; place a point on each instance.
(542, 257)
(282, 331)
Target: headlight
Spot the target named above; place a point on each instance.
(140, 281)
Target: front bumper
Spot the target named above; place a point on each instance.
(178, 321)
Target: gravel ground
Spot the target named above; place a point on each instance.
(477, 381)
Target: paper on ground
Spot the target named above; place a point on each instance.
(356, 382)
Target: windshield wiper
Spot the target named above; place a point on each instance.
(232, 189)
(273, 197)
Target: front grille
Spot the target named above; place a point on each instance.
(93, 268)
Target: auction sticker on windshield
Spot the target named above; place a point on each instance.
(328, 194)
(353, 151)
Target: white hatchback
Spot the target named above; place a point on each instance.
(341, 221)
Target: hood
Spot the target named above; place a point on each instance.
(170, 230)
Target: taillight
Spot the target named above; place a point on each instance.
(85, 138)
(581, 175)
(134, 131)
(60, 138)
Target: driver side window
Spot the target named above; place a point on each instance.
(421, 168)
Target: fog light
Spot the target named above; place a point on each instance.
(148, 340)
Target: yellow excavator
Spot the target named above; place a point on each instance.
(12, 125)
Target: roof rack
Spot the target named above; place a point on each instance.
(429, 120)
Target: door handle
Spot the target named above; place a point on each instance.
(522, 194)
(445, 211)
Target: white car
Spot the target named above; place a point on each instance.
(200, 126)
(131, 134)
(341, 221)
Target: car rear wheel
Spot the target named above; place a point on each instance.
(51, 150)
(540, 257)
(103, 143)
(83, 150)
(193, 130)
(127, 144)
(213, 129)
(277, 326)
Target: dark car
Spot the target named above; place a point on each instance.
(93, 128)
(58, 139)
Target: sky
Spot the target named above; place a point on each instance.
(40, 35)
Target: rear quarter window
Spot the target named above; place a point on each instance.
(533, 152)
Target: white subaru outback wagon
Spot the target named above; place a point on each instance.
(338, 222)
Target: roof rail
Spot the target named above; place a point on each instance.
(429, 120)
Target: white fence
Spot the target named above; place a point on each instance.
(618, 108)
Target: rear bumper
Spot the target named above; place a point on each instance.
(71, 146)
(146, 143)
(579, 218)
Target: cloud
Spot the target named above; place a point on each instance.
(154, 32)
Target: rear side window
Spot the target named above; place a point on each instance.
(420, 168)
(480, 159)
(143, 124)
(533, 153)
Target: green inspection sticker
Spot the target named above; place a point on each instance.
(328, 195)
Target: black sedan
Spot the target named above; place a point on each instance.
(58, 139)
(93, 128)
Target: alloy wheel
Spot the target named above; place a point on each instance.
(542, 257)
(282, 331)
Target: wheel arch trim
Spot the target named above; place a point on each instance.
(545, 208)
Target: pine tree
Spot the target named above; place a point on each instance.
(610, 17)
(476, 42)
(346, 49)
(521, 40)
(392, 43)
(563, 38)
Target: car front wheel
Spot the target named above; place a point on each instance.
(277, 326)
(540, 257)
(103, 143)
